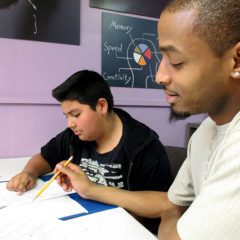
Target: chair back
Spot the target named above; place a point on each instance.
(176, 156)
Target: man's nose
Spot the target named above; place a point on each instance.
(162, 76)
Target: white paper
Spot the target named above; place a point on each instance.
(19, 224)
(121, 225)
(57, 207)
(9, 198)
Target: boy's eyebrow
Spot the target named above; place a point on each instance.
(70, 112)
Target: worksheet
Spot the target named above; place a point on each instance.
(20, 224)
(54, 201)
(8, 198)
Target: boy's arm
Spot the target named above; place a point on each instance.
(26, 179)
(37, 166)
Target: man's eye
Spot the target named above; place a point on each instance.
(177, 65)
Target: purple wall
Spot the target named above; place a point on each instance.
(28, 72)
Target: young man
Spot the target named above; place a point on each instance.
(111, 147)
(200, 70)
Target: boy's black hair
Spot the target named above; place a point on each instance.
(86, 87)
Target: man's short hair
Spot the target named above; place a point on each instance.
(85, 87)
(217, 22)
(6, 3)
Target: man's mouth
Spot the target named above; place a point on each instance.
(171, 97)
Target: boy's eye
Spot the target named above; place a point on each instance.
(76, 115)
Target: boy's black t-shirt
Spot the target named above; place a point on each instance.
(138, 162)
(103, 169)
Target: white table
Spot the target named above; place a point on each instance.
(11, 166)
(115, 223)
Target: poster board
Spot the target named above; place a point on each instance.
(130, 55)
(56, 21)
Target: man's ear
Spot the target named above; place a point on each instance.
(236, 71)
(102, 106)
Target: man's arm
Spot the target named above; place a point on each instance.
(148, 204)
(168, 226)
(142, 203)
(26, 179)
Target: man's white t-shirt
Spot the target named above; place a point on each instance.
(209, 183)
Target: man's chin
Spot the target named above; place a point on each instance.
(174, 115)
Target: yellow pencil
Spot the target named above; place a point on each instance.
(54, 176)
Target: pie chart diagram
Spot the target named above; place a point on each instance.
(142, 54)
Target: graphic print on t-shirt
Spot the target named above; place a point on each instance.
(107, 174)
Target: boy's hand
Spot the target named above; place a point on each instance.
(21, 183)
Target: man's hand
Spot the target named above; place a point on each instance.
(73, 177)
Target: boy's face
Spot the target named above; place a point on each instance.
(84, 122)
(195, 80)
